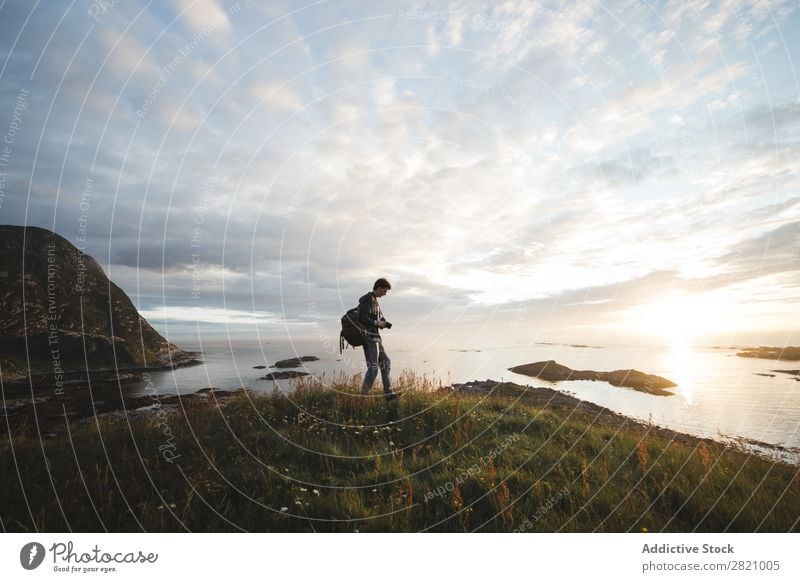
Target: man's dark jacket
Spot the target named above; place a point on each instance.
(369, 314)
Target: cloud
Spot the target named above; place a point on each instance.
(281, 97)
(774, 252)
(772, 122)
(198, 15)
(634, 168)
(490, 157)
(206, 315)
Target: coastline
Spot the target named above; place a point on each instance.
(38, 400)
(546, 396)
(449, 459)
(51, 414)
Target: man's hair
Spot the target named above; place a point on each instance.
(382, 283)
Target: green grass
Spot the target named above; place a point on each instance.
(340, 462)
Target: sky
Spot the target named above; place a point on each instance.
(518, 170)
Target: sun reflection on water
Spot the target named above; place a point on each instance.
(681, 362)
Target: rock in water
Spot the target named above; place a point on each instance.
(285, 375)
(57, 307)
(294, 362)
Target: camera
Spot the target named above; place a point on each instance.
(388, 325)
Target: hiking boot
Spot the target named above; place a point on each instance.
(391, 396)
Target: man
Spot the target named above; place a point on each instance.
(371, 317)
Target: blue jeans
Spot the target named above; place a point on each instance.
(376, 359)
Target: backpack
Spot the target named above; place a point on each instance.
(353, 333)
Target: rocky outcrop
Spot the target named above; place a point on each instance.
(294, 362)
(552, 371)
(284, 375)
(60, 313)
(46, 417)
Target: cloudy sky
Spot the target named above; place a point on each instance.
(521, 167)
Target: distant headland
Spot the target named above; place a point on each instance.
(60, 315)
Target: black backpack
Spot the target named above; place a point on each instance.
(353, 333)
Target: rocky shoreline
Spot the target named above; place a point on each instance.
(543, 396)
(49, 383)
(46, 414)
(51, 416)
(41, 401)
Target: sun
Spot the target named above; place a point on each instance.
(677, 316)
(680, 319)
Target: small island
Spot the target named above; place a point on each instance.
(552, 371)
(568, 345)
(294, 362)
(285, 375)
(787, 353)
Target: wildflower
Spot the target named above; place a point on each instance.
(303, 489)
(374, 490)
(391, 443)
(315, 492)
(284, 509)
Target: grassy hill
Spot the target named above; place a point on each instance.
(325, 459)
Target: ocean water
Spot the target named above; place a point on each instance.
(719, 395)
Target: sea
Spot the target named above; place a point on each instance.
(719, 395)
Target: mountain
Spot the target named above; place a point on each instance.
(59, 311)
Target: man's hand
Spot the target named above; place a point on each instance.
(382, 323)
